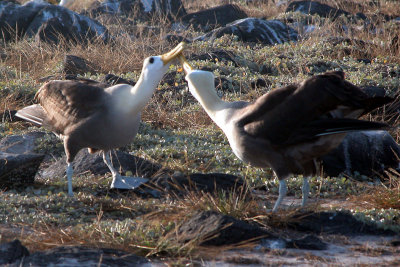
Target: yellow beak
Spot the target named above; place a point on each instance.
(167, 57)
(185, 64)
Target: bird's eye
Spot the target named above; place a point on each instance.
(151, 60)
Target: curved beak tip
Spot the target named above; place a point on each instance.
(175, 52)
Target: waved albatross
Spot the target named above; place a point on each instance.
(86, 115)
(288, 128)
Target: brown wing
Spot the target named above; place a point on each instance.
(298, 108)
(69, 102)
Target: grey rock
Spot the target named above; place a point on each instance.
(18, 169)
(82, 27)
(215, 17)
(315, 8)
(85, 162)
(369, 153)
(268, 32)
(21, 144)
(12, 251)
(142, 9)
(77, 65)
(82, 256)
(311, 242)
(53, 32)
(209, 228)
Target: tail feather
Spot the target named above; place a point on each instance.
(33, 113)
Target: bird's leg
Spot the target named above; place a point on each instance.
(69, 172)
(305, 189)
(122, 182)
(282, 194)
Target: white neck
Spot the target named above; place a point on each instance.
(201, 85)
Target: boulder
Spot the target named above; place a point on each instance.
(83, 256)
(77, 65)
(18, 169)
(52, 31)
(143, 9)
(315, 8)
(20, 20)
(12, 251)
(215, 17)
(209, 228)
(369, 153)
(20, 144)
(268, 32)
(85, 162)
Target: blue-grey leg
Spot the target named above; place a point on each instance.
(122, 182)
(305, 189)
(69, 172)
(282, 194)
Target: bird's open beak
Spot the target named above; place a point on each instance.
(167, 57)
(185, 64)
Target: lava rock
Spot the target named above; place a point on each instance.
(334, 223)
(114, 79)
(369, 153)
(12, 251)
(52, 31)
(268, 32)
(143, 9)
(21, 144)
(18, 169)
(216, 55)
(215, 17)
(315, 8)
(210, 228)
(84, 162)
(311, 242)
(260, 83)
(83, 256)
(77, 65)
(174, 39)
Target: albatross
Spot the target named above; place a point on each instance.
(87, 115)
(288, 128)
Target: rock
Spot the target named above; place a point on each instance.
(268, 32)
(333, 223)
(215, 17)
(209, 228)
(12, 251)
(20, 144)
(142, 9)
(369, 153)
(20, 20)
(315, 8)
(260, 83)
(173, 39)
(372, 91)
(210, 182)
(77, 65)
(311, 242)
(52, 30)
(18, 169)
(113, 79)
(216, 55)
(9, 116)
(81, 27)
(83, 256)
(85, 162)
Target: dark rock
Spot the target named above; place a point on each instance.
(315, 8)
(8, 116)
(260, 83)
(216, 55)
(209, 228)
(52, 31)
(82, 256)
(85, 162)
(308, 242)
(15, 19)
(364, 60)
(395, 243)
(268, 32)
(12, 251)
(77, 65)
(210, 182)
(264, 69)
(113, 79)
(18, 169)
(334, 223)
(369, 153)
(373, 91)
(19, 20)
(142, 9)
(173, 39)
(20, 144)
(226, 85)
(215, 17)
